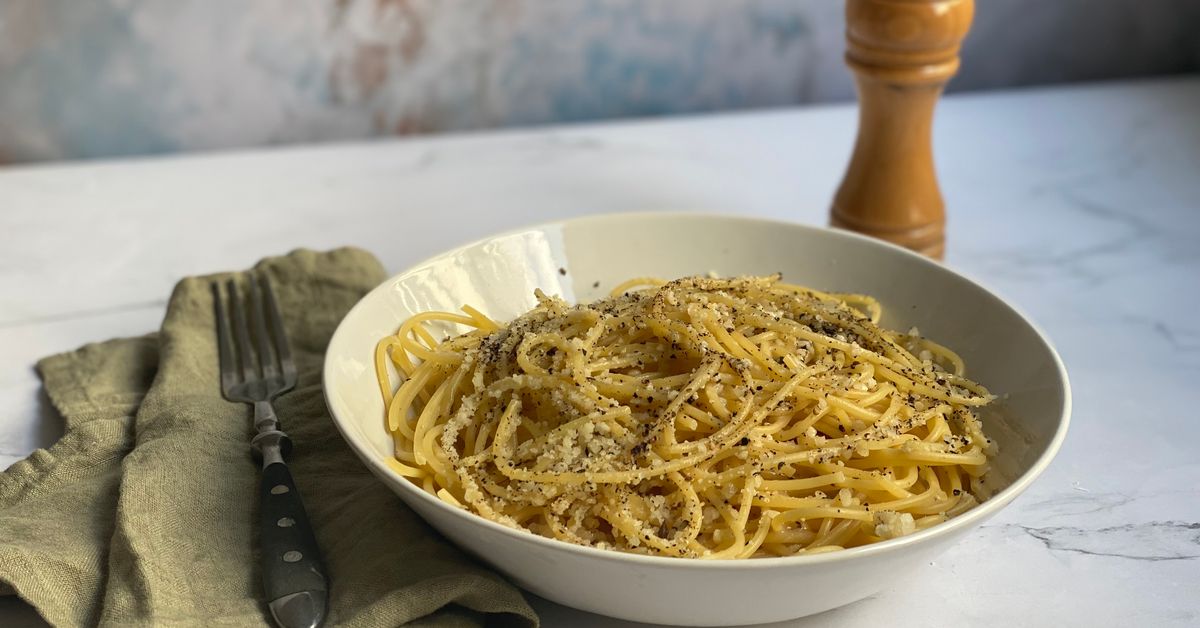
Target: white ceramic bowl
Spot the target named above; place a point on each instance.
(1002, 350)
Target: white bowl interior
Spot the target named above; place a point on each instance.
(1001, 348)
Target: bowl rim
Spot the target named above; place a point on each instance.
(962, 522)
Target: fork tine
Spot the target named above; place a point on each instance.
(241, 333)
(287, 365)
(224, 343)
(266, 357)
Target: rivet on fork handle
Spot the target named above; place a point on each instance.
(292, 572)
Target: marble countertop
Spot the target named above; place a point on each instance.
(1079, 204)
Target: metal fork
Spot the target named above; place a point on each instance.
(293, 572)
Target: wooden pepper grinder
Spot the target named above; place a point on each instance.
(902, 53)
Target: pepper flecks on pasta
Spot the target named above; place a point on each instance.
(701, 417)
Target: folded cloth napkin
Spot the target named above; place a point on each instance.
(144, 513)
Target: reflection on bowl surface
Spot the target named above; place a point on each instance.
(1001, 348)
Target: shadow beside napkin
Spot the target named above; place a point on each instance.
(145, 512)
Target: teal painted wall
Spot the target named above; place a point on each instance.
(93, 78)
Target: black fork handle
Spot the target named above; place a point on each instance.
(293, 572)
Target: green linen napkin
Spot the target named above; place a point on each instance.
(144, 513)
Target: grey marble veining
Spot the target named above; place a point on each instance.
(1079, 205)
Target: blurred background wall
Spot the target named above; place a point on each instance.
(93, 78)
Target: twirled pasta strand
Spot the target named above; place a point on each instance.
(709, 418)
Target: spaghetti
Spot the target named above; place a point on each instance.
(702, 417)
